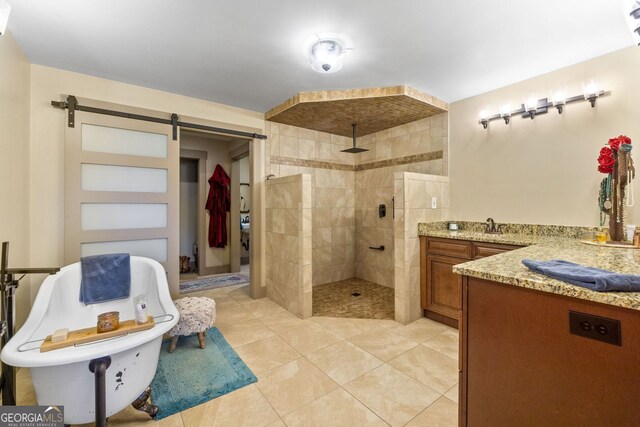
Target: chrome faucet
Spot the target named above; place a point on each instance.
(491, 227)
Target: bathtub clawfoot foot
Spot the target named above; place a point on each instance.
(173, 344)
(142, 404)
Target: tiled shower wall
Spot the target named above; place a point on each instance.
(288, 243)
(413, 193)
(292, 150)
(418, 146)
(374, 187)
(347, 189)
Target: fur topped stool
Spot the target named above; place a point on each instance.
(197, 314)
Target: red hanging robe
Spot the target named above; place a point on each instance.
(218, 204)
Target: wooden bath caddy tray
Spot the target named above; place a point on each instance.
(83, 336)
(610, 244)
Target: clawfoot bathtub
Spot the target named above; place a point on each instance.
(63, 377)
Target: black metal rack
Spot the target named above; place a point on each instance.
(8, 286)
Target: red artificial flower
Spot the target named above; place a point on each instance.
(615, 143)
(606, 160)
(625, 139)
(606, 151)
(605, 169)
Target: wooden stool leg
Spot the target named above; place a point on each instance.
(173, 344)
(201, 339)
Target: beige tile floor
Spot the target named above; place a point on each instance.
(321, 371)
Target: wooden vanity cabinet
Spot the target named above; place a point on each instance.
(441, 288)
(523, 365)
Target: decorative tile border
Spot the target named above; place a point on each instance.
(319, 164)
(416, 158)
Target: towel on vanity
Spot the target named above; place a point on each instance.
(105, 278)
(592, 278)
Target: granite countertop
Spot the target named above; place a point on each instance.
(517, 239)
(508, 268)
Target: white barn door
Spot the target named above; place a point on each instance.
(122, 190)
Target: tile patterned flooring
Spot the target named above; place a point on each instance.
(335, 300)
(322, 371)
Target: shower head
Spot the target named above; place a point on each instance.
(354, 149)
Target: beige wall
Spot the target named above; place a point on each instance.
(14, 152)
(543, 171)
(288, 237)
(47, 143)
(413, 193)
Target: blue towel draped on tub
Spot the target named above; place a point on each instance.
(105, 278)
(586, 277)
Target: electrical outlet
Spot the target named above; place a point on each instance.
(434, 202)
(595, 327)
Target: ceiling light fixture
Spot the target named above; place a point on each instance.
(5, 9)
(326, 56)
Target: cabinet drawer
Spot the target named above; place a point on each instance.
(450, 247)
(483, 250)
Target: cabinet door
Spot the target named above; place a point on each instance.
(444, 286)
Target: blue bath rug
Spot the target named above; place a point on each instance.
(190, 375)
(213, 282)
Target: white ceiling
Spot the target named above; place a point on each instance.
(250, 53)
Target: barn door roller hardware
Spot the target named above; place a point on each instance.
(72, 105)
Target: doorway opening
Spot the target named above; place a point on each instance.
(210, 222)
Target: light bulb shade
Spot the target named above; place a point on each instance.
(484, 114)
(5, 9)
(505, 110)
(326, 56)
(590, 89)
(531, 103)
(632, 14)
(559, 98)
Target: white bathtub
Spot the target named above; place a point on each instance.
(62, 377)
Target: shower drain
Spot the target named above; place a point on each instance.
(356, 294)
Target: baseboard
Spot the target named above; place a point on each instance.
(441, 319)
(218, 269)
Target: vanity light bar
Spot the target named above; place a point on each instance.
(532, 107)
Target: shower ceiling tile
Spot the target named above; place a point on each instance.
(373, 109)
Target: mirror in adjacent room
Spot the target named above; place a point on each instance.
(245, 198)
